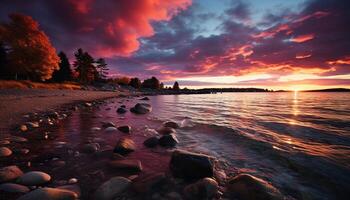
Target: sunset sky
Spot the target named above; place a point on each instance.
(276, 44)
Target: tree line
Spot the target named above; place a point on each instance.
(26, 53)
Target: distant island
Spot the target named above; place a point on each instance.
(330, 90)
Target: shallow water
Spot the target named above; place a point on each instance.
(300, 142)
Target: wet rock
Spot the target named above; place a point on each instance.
(73, 188)
(123, 106)
(147, 182)
(58, 163)
(112, 188)
(23, 128)
(34, 178)
(122, 110)
(49, 194)
(248, 187)
(9, 173)
(91, 148)
(124, 146)
(141, 108)
(95, 129)
(220, 176)
(4, 142)
(18, 139)
(32, 125)
(171, 124)
(13, 188)
(145, 99)
(132, 165)
(124, 129)
(151, 142)
(72, 181)
(206, 188)
(111, 129)
(88, 104)
(189, 166)
(21, 151)
(4, 152)
(166, 131)
(108, 124)
(168, 140)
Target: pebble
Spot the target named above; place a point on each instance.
(124, 146)
(21, 151)
(4, 142)
(73, 188)
(151, 142)
(23, 128)
(166, 131)
(132, 165)
(72, 181)
(34, 178)
(168, 140)
(124, 129)
(111, 129)
(147, 182)
(18, 139)
(108, 124)
(10, 173)
(5, 152)
(205, 188)
(171, 124)
(95, 129)
(122, 110)
(13, 188)
(49, 194)
(91, 148)
(112, 188)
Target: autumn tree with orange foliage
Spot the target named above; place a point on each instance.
(30, 52)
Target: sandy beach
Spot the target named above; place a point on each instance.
(16, 102)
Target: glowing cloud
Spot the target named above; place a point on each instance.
(302, 38)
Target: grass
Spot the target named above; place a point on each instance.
(12, 84)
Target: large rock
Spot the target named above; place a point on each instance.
(171, 124)
(141, 108)
(111, 188)
(49, 194)
(124, 129)
(168, 140)
(122, 110)
(4, 152)
(166, 131)
(206, 188)
(73, 188)
(132, 165)
(151, 142)
(189, 166)
(91, 148)
(124, 146)
(146, 182)
(13, 188)
(248, 187)
(9, 173)
(34, 178)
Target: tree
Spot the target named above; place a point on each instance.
(176, 86)
(161, 86)
(135, 83)
(102, 69)
(152, 83)
(123, 80)
(3, 62)
(64, 73)
(84, 66)
(31, 54)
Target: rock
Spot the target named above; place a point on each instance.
(73, 188)
(23, 128)
(18, 139)
(88, 104)
(166, 131)
(4, 142)
(34, 178)
(10, 173)
(145, 99)
(95, 129)
(13, 188)
(72, 181)
(124, 129)
(58, 163)
(171, 124)
(206, 188)
(122, 110)
(146, 182)
(248, 187)
(111, 129)
(4, 152)
(124, 146)
(32, 124)
(108, 124)
(91, 148)
(21, 151)
(49, 194)
(123, 106)
(112, 188)
(189, 166)
(141, 108)
(168, 140)
(151, 142)
(132, 165)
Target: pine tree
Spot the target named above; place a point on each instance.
(64, 73)
(176, 86)
(152, 83)
(102, 69)
(135, 83)
(84, 66)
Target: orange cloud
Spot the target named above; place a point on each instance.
(303, 38)
(303, 55)
(345, 61)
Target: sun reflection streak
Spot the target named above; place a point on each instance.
(295, 103)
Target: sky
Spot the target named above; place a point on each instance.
(274, 44)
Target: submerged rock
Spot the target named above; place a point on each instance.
(18, 139)
(168, 140)
(13, 188)
(124, 146)
(34, 178)
(166, 131)
(4, 152)
(146, 182)
(111, 129)
(205, 188)
(124, 129)
(151, 142)
(49, 194)
(112, 188)
(248, 187)
(171, 124)
(21, 151)
(91, 148)
(132, 165)
(189, 166)
(9, 173)
(108, 124)
(122, 110)
(141, 108)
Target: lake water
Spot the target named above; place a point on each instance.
(300, 142)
